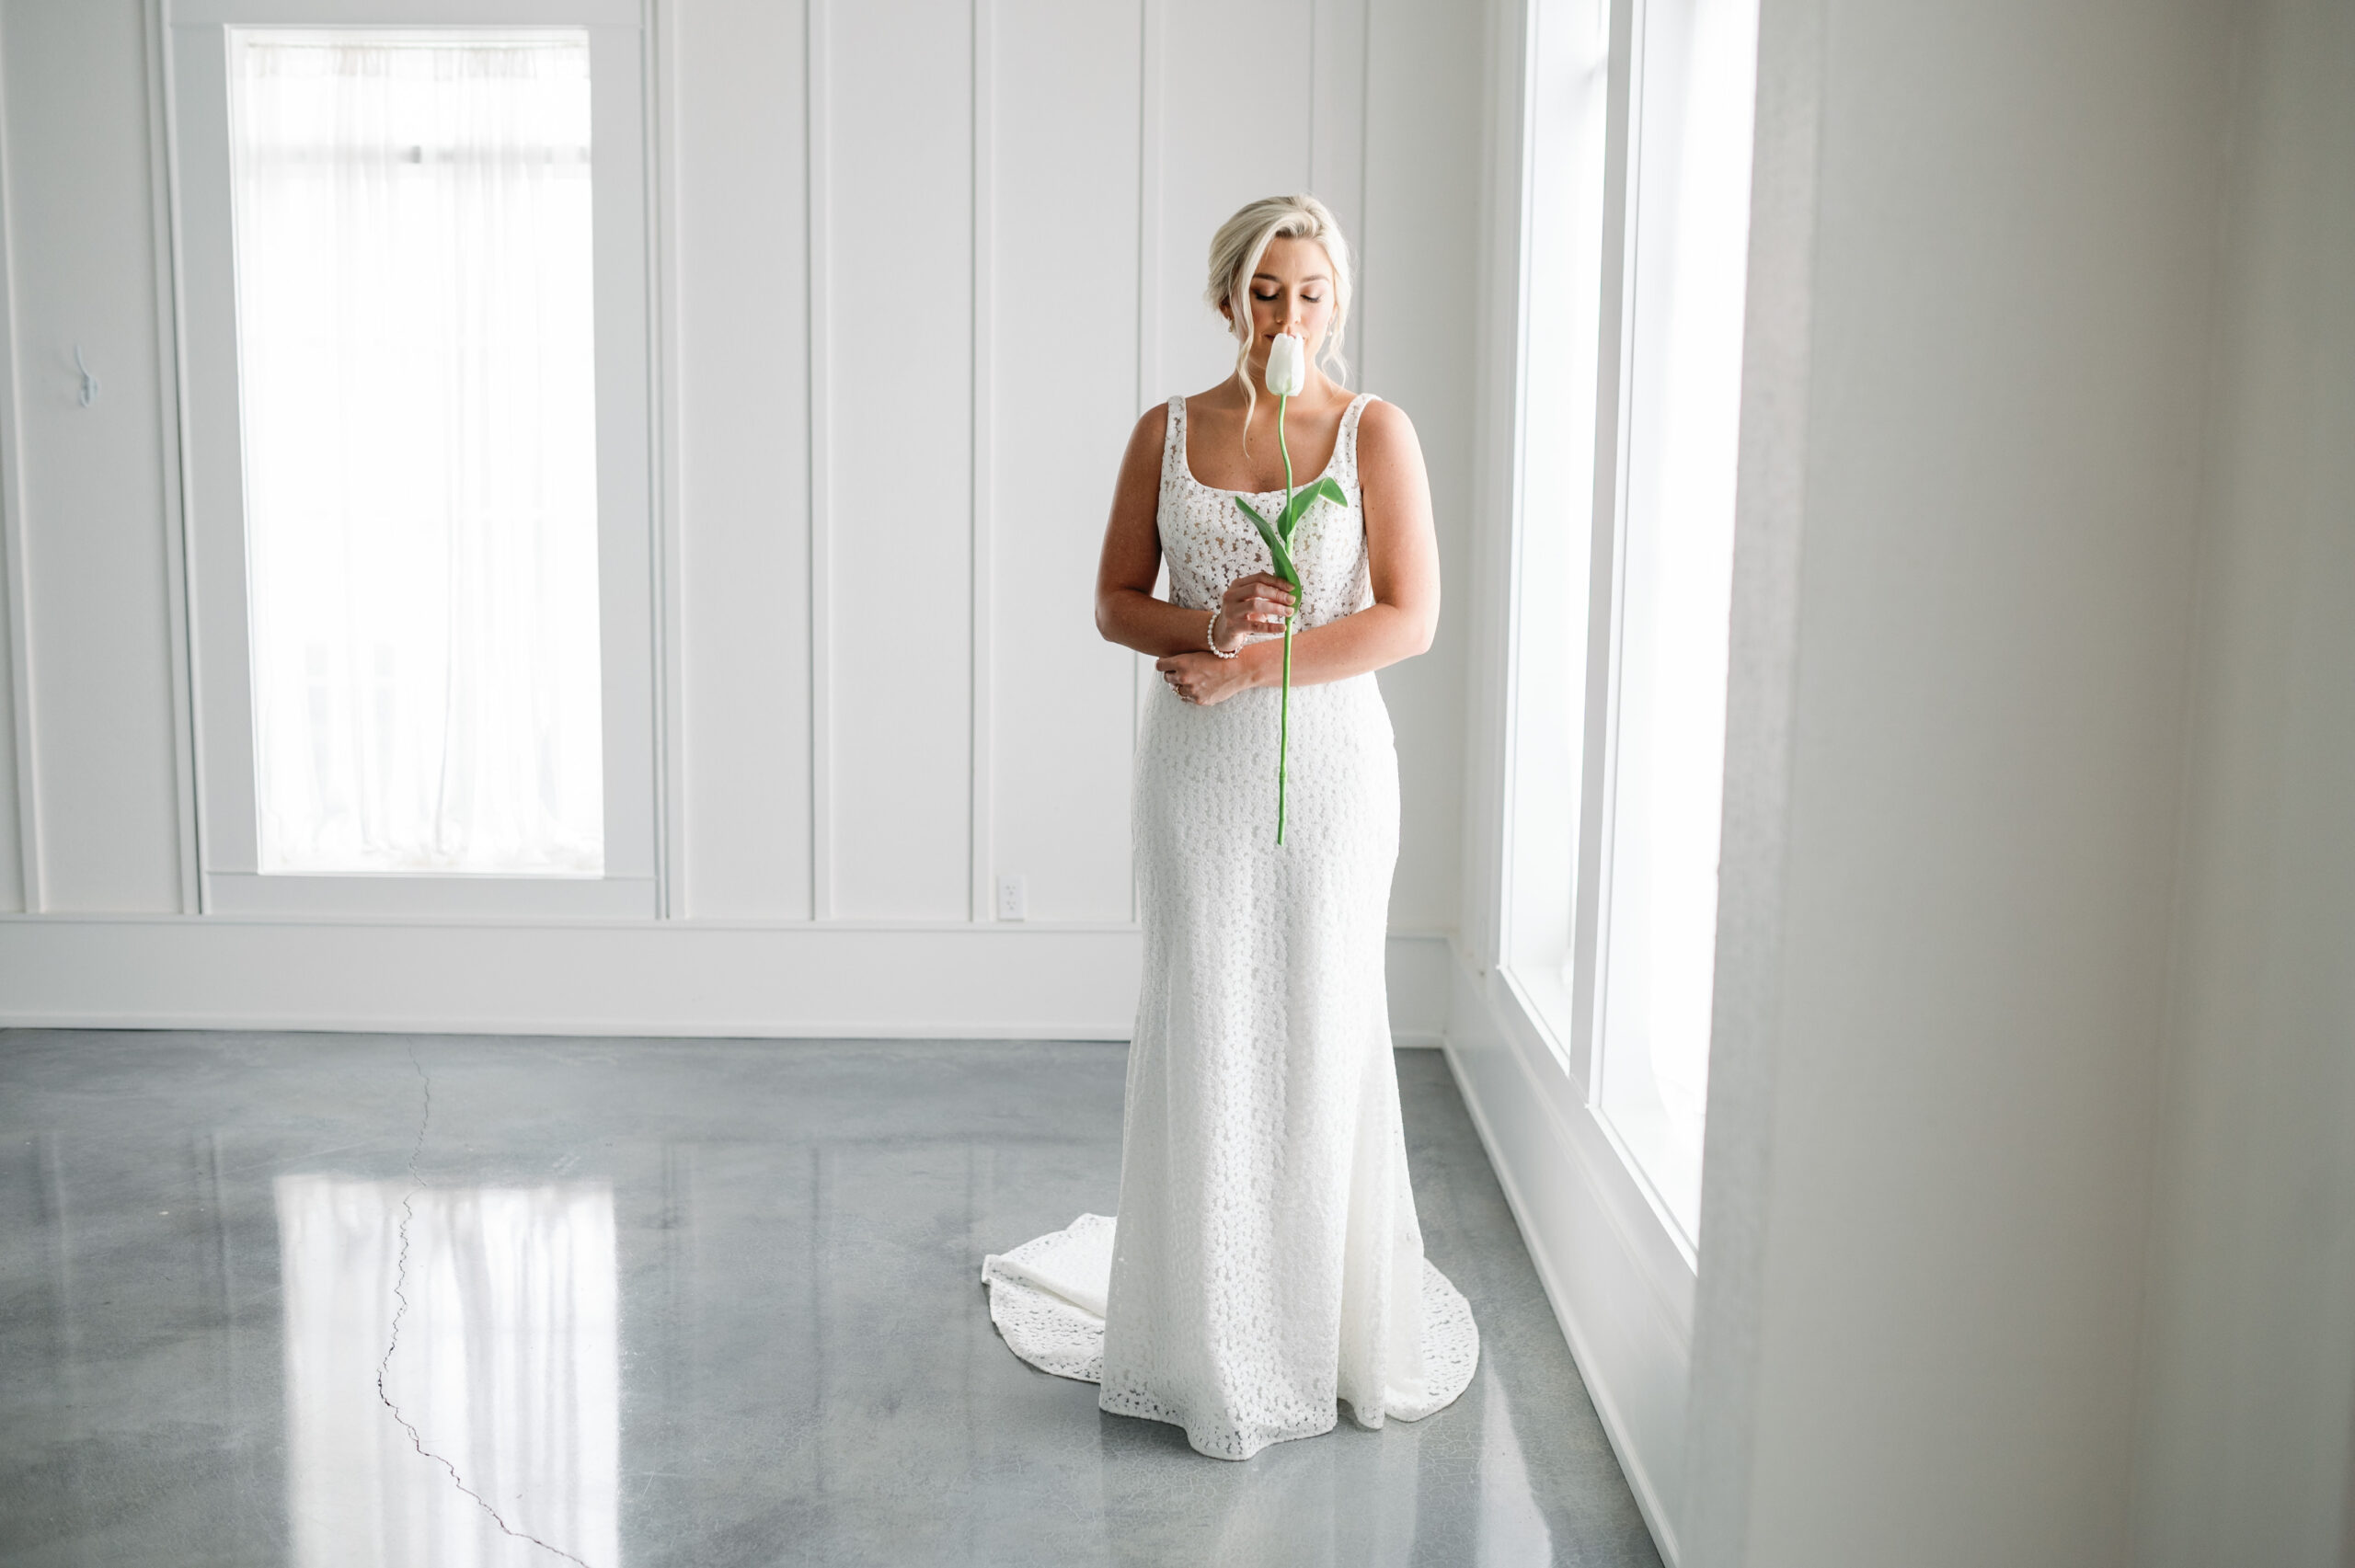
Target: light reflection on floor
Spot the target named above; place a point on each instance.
(691, 1303)
(482, 1322)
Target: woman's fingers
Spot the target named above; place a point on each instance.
(1260, 585)
(1267, 580)
(1260, 600)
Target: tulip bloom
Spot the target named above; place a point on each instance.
(1287, 374)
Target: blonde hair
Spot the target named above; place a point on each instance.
(1236, 251)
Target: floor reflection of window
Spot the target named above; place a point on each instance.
(507, 1366)
(1513, 1529)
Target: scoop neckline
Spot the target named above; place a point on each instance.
(1185, 459)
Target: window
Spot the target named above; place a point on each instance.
(1681, 386)
(411, 217)
(1638, 199)
(415, 325)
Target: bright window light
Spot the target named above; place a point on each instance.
(414, 329)
(1689, 222)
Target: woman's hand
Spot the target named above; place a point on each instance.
(1204, 678)
(1256, 603)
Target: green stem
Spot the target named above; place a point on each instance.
(1284, 718)
(1283, 734)
(1286, 449)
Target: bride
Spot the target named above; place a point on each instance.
(1265, 1262)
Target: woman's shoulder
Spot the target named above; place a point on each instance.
(1151, 430)
(1383, 425)
(1226, 397)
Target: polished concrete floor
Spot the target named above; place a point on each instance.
(435, 1302)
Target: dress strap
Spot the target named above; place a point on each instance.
(1346, 457)
(1173, 441)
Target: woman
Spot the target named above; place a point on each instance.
(1267, 1261)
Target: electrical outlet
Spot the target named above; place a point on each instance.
(1013, 902)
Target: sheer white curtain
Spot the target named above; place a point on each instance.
(414, 311)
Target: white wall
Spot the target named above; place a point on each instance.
(923, 264)
(2249, 1356)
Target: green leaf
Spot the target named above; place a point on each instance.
(1276, 550)
(1326, 488)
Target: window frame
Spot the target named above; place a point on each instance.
(1563, 698)
(230, 878)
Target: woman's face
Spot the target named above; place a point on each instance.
(1292, 291)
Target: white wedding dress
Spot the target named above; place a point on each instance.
(1266, 1261)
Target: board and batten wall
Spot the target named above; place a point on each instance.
(920, 264)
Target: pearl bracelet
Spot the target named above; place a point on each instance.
(1209, 635)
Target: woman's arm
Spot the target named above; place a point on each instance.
(1402, 550)
(1126, 611)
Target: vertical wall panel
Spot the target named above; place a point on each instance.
(1236, 103)
(1336, 150)
(1065, 329)
(1420, 239)
(80, 220)
(744, 485)
(899, 78)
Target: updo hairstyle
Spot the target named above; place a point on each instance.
(1236, 251)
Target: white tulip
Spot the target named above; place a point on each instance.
(1287, 365)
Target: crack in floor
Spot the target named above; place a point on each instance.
(400, 1294)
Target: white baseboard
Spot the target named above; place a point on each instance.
(1619, 1288)
(1421, 966)
(637, 978)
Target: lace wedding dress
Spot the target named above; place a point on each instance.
(1266, 1260)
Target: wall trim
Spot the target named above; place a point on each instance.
(171, 399)
(980, 577)
(31, 893)
(1632, 1359)
(817, 99)
(664, 448)
(791, 979)
(1150, 388)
